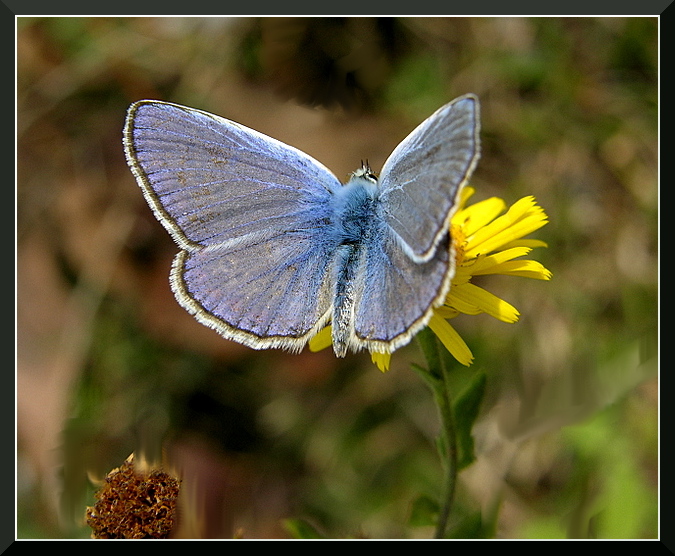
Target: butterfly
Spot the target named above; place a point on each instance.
(273, 247)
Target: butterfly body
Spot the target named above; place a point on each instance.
(273, 247)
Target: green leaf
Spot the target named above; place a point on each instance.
(465, 408)
(424, 512)
(431, 381)
(301, 529)
(468, 527)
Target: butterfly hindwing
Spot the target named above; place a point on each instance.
(395, 295)
(246, 294)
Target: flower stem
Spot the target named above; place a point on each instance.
(448, 423)
(440, 384)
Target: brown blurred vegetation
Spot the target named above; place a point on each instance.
(108, 363)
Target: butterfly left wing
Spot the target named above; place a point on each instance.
(264, 294)
(249, 214)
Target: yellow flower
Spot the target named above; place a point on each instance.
(487, 242)
(488, 239)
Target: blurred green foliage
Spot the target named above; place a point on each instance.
(566, 440)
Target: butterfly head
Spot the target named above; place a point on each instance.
(364, 172)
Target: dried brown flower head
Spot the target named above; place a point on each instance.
(134, 502)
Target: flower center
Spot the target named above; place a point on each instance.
(459, 243)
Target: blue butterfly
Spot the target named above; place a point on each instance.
(273, 247)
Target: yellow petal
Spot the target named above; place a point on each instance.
(484, 300)
(531, 243)
(463, 273)
(491, 240)
(382, 360)
(464, 196)
(451, 340)
(460, 303)
(446, 312)
(480, 214)
(523, 218)
(484, 265)
(524, 269)
(322, 339)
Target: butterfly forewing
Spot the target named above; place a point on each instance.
(210, 180)
(422, 177)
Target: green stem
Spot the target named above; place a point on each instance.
(448, 423)
(441, 387)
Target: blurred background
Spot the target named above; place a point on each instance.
(109, 364)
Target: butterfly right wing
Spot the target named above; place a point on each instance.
(251, 216)
(409, 260)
